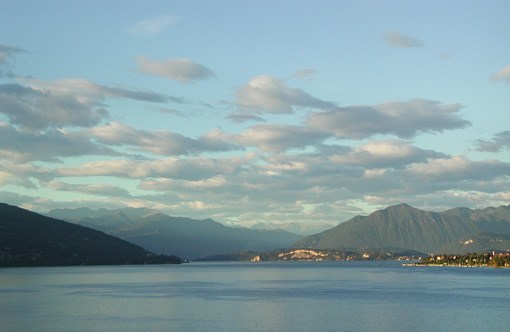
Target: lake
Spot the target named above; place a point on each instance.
(259, 296)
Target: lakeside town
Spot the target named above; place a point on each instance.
(492, 259)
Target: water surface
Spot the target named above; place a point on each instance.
(274, 296)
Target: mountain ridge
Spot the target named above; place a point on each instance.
(185, 237)
(403, 226)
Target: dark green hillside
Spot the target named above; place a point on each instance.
(399, 226)
(30, 239)
(477, 243)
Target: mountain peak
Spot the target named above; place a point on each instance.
(397, 226)
(400, 207)
(400, 211)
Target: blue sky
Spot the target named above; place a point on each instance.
(255, 111)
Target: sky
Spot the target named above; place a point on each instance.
(255, 111)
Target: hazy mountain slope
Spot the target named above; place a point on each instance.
(477, 243)
(111, 222)
(399, 226)
(80, 213)
(30, 239)
(295, 227)
(187, 238)
(491, 219)
(191, 238)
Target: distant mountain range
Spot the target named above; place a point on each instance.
(79, 213)
(404, 227)
(30, 239)
(295, 227)
(184, 237)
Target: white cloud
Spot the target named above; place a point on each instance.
(92, 93)
(403, 119)
(182, 70)
(278, 138)
(40, 104)
(22, 146)
(39, 109)
(160, 142)
(458, 169)
(103, 189)
(268, 94)
(23, 174)
(174, 168)
(152, 26)
(396, 39)
(502, 75)
(165, 184)
(388, 153)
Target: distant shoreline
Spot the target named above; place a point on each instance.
(494, 260)
(453, 265)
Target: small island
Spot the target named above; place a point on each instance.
(492, 259)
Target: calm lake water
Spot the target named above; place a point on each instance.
(275, 296)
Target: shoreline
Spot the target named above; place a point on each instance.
(455, 265)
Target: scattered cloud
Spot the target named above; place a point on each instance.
(160, 142)
(38, 109)
(93, 93)
(500, 141)
(38, 104)
(278, 138)
(398, 40)
(306, 75)
(181, 70)
(240, 118)
(104, 189)
(24, 175)
(503, 75)
(383, 154)
(7, 55)
(455, 171)
(268, 94)
(402, 119)
(176, 168)
(444, 55)
(22, 146)
(152, 26)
